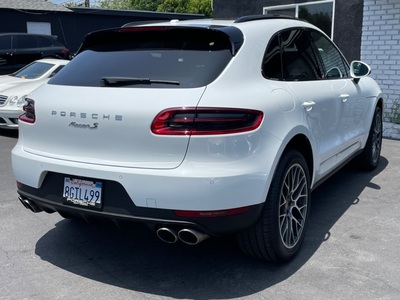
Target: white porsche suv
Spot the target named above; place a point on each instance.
(199, 128)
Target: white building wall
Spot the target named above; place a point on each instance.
(380, 48)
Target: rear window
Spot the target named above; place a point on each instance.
(149, 57)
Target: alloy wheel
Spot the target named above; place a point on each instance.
(377, 138)
(293, 206)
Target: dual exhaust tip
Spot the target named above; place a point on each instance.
(186, 235)
(168, 235)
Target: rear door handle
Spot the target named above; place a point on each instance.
(344, 97)
(308, 105)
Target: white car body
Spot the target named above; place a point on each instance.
(173, 181)
(13, 91)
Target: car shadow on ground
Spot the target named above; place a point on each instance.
(136, 260)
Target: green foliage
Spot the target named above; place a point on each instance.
(187, 6)
(150, 5)
(73, 4)
(115, 4)
(394, 114)
(200, 7)
(178, 6)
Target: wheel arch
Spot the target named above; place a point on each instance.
(301, 143)
(380, 103)
(262, 240)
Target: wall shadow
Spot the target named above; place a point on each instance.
(135, 259)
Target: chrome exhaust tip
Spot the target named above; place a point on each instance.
(29, 205)
(167, 235)
(191, 236)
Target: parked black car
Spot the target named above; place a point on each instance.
(20, 49)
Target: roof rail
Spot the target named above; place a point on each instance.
(262, 17)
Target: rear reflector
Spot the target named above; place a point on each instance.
(205, 121)
(211, 213)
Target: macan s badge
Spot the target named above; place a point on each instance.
(83, 126)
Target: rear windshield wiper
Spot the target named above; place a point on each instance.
(124, 81)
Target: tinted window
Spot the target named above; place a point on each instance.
(5, 42)
(319, 13)
(290, 56)
(33, 70)
(335, 66)
(184, 58)
(272, 65)
(56, 70)
(24, 41)
(43, 42)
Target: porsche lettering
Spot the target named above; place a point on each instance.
(84, 115)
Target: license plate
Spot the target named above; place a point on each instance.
(82, 192)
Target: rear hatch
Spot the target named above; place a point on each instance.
(100, 108)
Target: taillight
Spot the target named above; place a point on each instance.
(65, 53)
(205, 121)
(29, 112)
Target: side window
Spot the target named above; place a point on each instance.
(272, 63)
(24, 41)
(5, 42)
(43, 42)
(290, 57)
(334, 64)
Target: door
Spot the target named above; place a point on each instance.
(350, 101)
(291, 57)
(26, 50)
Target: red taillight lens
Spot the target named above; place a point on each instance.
(29, 112)
(65, 52)
(205, 121)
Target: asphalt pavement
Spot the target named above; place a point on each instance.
(351, 250)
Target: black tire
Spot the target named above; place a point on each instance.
(278, 234)
(369, 158)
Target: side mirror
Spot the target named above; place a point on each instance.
(359, 69)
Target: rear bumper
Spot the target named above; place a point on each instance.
(190, 187)
(9, 119)
(119, 208)
(200, 183)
